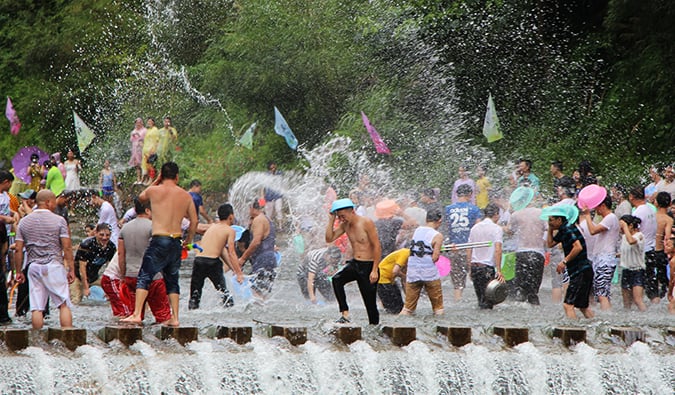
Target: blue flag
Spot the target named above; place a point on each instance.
(282, 129)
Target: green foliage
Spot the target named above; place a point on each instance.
(571, 80)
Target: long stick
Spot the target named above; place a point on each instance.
(464, 246)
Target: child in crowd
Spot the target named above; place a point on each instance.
(632, 262)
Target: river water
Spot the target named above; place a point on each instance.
(373, 365)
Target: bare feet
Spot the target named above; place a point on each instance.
(171, 322)
(131, 320)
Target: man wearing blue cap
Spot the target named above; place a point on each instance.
(218, 242)
(362, 268)
(575, 261)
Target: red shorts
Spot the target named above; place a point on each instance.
(118, 295)
(157, 300)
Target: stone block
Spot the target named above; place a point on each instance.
(127, 335)
(348, 334)
(240, 334)
(512, 336)
(456, 335)
(296, 335)
(182, 334)
(629, 335)
(401, 335)
(570, 335)
(15, 339)
(71, 337)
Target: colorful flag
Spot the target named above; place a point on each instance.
(14, 123)
(491, 128)
(247, 139)
(84, 133)
(380, 146)
(282, 129)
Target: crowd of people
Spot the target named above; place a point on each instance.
(386, 245)
(626, 238)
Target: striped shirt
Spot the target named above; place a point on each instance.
(41, 232)
(314, 262)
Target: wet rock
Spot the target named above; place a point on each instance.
(240, 334)
(456, 335)
(182, 334)
(71, 337)
(570, 335)
(512, 336)
(400, 335)
(628, 335)
(296, 335)
(348, 334)
(127, 335)
(15, 339)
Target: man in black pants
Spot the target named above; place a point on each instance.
(362, 268)
(218, 242)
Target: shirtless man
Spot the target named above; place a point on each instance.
(217, 243)
(170, 204)
(362, 235)
(656, 282)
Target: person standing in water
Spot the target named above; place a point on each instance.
(217, 243)
(261, 251)
(422, 271)
(575, 261)
(49, 252)
(170, 204)
(362, 268)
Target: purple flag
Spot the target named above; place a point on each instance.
(380, 146)
(14, 123)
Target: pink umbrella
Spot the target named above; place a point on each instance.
(21, 161)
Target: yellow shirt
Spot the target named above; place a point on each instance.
(482, 199)
(151, 141)
(386, 266)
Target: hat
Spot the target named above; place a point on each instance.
(521, 197)
(570, 212)
(386, 209)
(340, 204)
(28, 194)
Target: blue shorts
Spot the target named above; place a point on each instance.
(632, 278)
(162, 254)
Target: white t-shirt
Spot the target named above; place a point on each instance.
(106, 215)
(648, 225)
(606, 242)
(633, 255)
(485, 230)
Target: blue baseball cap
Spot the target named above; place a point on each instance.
(340, 204)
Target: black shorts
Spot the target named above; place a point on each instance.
(579, 289)
(632, 278)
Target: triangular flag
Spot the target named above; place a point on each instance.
(247, 139)
(84, 133)
(282, 129)
(491, 128)
(380, 146)
(14, 123)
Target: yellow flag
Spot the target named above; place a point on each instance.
(491, 128)
(84, 133)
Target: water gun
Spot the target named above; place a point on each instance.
(464, 246)
(184, 252)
